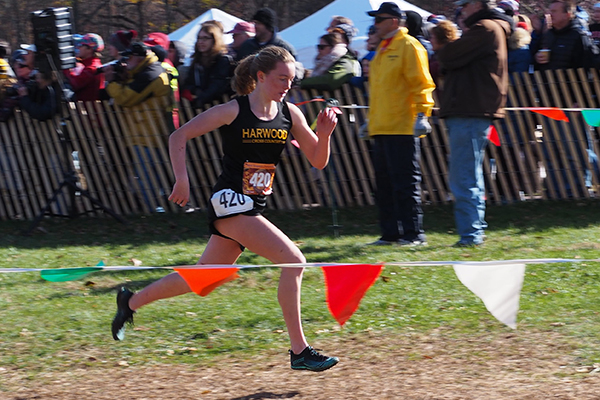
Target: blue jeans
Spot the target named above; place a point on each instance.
(398, 179)
(468, 140)
(143, 172)
(561, 137)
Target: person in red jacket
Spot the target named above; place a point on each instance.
(87, 83)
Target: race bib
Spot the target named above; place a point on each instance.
(258, 178)
(227, 202)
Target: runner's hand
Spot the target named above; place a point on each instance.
(181, 193)
(326, 122)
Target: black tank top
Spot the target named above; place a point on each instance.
(251, 139)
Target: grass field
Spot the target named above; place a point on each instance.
(51, 327)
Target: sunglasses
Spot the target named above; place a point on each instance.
(205, 37)
(323, 46)
(379, 19)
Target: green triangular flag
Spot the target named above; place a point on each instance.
(592, 117)
(67, 274)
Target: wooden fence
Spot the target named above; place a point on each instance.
(540, 158)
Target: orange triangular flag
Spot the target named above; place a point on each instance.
(493, 136)
(551, 112)
(346, 285)
(202, 281)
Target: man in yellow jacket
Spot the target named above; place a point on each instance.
(142, 81)
(400, 102)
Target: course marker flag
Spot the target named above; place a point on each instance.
(592, 117)
(550, 112)
(202, 281)
(497, 283)
(346, 285)
(498, 286)
(493, 136)
(69, 274)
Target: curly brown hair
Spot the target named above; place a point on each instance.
(444, 32)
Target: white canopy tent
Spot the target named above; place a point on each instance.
(304, 35)
(187, 34)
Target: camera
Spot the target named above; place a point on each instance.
(13, 90)
(119, 66)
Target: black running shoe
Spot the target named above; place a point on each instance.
(124, 314)
(312, 360)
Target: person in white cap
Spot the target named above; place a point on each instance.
(30, 56)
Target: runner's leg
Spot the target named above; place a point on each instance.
(260, 236)
(219, 250)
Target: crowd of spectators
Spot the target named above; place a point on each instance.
(130, 70)
(569, 33)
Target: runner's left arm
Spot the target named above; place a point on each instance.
(315, 145)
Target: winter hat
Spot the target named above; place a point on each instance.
(160, 52)
(510, 7)
(122, 39)
(435, 19)
(348, 30)
(523, 25)
(157, 39)
(136, 49)
(93, 41)
(414, 23)
(267, 17)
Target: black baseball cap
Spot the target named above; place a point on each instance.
(387, 8)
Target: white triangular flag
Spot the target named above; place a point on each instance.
(498, 286)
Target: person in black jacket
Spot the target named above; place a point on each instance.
(569, 44)
(565, 45)
(414, 24)
(41, 101)
(209, 75)
(265, 24)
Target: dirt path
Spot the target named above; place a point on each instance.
(503, 366)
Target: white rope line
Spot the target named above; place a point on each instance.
(505, 108)
(317, 265)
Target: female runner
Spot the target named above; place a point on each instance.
(254, 128)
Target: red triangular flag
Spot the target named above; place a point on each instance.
(493, 136)
(202, 281)
(551, 112)
(346, 285)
